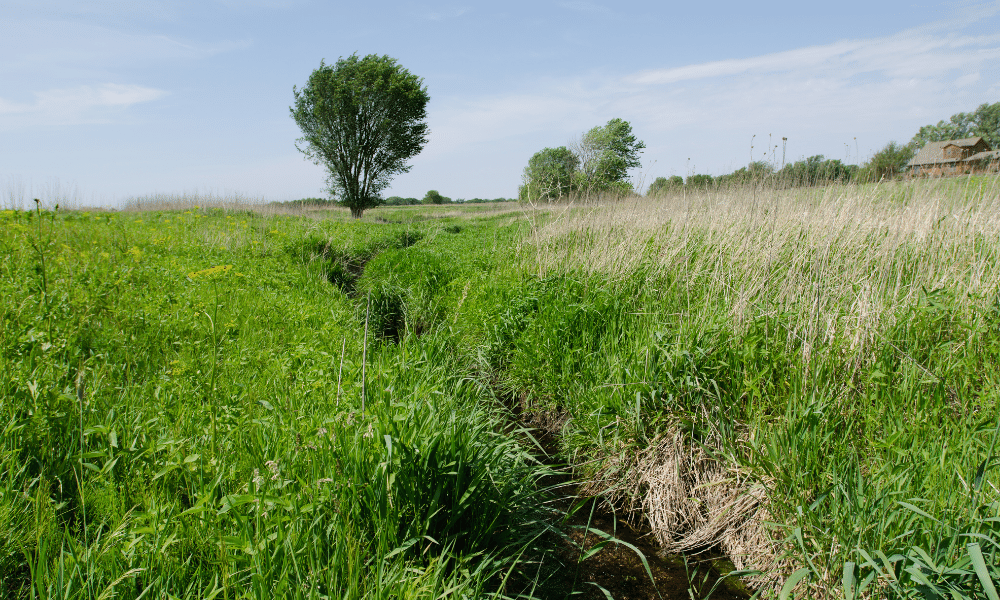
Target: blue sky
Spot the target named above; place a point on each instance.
(117, 98)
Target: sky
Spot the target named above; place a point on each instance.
(114, 99)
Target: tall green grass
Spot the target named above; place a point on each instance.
(838, 347)
(179, 420)
(182, 391)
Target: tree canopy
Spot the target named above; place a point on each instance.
(606, 155)
(663, 185)
(549, 174)
(599, 162)
(699, 180)
(887, 162)
(363, 119)
(984, 121)
(816, 170)
(435, 197)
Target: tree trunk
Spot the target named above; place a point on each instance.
(356, 212)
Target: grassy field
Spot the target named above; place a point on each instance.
(227, 400)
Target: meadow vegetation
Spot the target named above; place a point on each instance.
(256, 402)
(819, 358)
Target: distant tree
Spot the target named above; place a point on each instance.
(699, 181)
(363, 119)
(399, 201)
(816, 170)
(549, 174)
(755, 171)
(984, 122)
(958, 127)
(833, 170)
(887, 162)
(305, 202)
(988, 124)
(434, 197)
(663, 185)
(606, 154)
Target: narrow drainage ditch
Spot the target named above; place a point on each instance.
(600, 555)
(616, 570)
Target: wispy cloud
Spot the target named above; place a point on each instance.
(584, 6)
(905, 55)
(116, 10)
(65, 46)
(87, 103)
(442, 15)
(821, 97)
(255, 4)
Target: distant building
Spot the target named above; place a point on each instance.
(954, 157)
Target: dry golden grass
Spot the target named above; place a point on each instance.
(841, 264)
(229, 202)
(843, 258)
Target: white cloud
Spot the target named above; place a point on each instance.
(447, 14)
(34, 47)
(156, 10)
(255, 4)
(584, 6)
(85, 103)
(966, 80)
(821, 97)
(912, 53)
(90, 96)
(846, 85)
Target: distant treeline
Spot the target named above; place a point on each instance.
(432, 197)
(889, 162)
(306, 202)
(815, 170)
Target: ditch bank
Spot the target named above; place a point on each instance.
(667, 521)
(613, 545)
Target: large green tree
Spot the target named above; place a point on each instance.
(606, 154)
(984, 121)
(549, 174)
(363, 119)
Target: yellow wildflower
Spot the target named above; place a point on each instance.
(210, 272)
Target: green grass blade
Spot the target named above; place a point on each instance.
(979, 564)
(791, 582)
